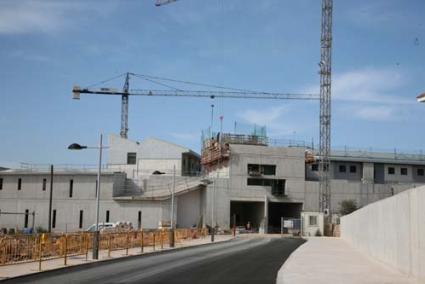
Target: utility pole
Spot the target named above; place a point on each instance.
(325, 109)
(50, 199)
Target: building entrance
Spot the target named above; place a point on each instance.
(277, 210)
(247, 211)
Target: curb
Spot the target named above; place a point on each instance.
(77, 267)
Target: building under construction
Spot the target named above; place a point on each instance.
(238, 178)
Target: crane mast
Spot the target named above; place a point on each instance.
(325, 108)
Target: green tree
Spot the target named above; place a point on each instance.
(347, 206)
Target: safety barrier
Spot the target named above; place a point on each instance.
(40, 247)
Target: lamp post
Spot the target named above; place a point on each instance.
(76, 146)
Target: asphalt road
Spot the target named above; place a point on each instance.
(238, 261)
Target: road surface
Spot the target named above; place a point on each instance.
(247, 260)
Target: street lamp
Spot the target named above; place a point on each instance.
(421, 98)
(76, 146)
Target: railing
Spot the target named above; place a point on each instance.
(37, 248)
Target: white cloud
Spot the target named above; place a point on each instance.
(271, 118)
(21, 17)
(367, 85)
(375, 113)
(262, 117)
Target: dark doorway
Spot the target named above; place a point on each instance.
(286, 210)
(247, 211)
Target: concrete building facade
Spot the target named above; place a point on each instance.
(252, 183)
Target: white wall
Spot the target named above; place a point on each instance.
(391, 230)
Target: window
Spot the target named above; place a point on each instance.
(420, 172)
(277, 185)
(269, 170)
(131, 158)
(256, 170)
(1, 183)
(353, 169)
(26, 218)
(19, 183)
(107, 216)
(312, 220)
(259, 181)
(139, 220)
(81, 219)
(342, 168)
(54, 219)
(391, 171)
(71, 187)
(403, 171)
(44, 184)
(315, 167)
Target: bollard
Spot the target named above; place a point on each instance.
(109, 245)
(66, 250)
(141, 241)
(153, 241)
(161, 235)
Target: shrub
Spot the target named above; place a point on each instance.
(347, 206)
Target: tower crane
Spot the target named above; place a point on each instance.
(325, 105)
(125, 93)
(163, 2)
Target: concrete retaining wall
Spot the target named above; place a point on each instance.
(391, 230)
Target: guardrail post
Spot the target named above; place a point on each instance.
(66, 249)
(109, 244)
(87, 245)
(126, 243)
(141, 241)
(39, 253)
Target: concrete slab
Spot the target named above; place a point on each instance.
(332, 260)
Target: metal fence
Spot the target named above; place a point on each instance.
(40, 247)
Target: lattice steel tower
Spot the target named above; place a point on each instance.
(325, 107)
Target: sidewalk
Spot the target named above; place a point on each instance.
(14, 270)
(332, 260)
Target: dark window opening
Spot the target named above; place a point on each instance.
(353, 169)
(315, 167)
(403, 171)
(19, 183)
(131, 158)
(342, 168)
(44, 184)
(54, 219)
(256, 170)
(277, 185)
(107, 216)
(26, 218)
(81, 219)
(71, 187)
(420, 172)
(391, 171)
(1, 183)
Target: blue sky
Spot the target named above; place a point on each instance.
(49, 46)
